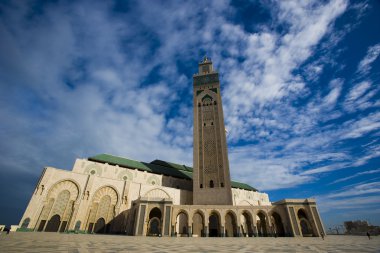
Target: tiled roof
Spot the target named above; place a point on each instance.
(158, 167)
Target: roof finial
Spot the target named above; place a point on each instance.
(206, 59)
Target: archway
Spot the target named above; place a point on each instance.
(25, 223)
(246, 225)
(198, 224)
(277, 225)
(100, 226)
(230, 225)
(304, 223)
(154, 224)
(261, 224)
(214, 225)
(53, 224)
(182, 224)
(77, 225)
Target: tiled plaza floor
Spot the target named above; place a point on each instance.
(54, 242)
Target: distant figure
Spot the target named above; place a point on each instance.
(322, 235)
(369, 236)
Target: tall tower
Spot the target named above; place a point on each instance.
(211, 176)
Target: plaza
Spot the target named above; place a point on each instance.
(73, 243)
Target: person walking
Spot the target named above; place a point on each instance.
(322, 235)
(369, 236)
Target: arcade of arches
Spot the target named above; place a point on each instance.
(190, 221)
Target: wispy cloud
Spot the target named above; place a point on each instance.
(356, 175)
(365, 64)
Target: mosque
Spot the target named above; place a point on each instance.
(116, 195)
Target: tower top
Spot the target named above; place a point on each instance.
(205, 66)
(205, 60)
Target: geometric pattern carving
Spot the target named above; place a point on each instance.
(46, 210)
(61, 203)
(93, 169)
(209, 141)
(104, 191)
(104, 205)
(157, 193)
(125, 175)
(61, 186)
(153, 180)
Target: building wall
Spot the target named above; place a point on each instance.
(91, 180)
(93, 191)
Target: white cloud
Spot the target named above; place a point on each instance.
(365, 64)
(356, 175)
(360, 189)
(356, 129)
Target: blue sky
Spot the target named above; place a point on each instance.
(300, 89)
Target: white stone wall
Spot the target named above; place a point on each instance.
(129, 185)
(137, 183)
(243, 198)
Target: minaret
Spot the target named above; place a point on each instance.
(211, 176)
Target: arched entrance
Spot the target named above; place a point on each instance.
(53, 224)
(181, 224)
(230, 225)
(306, 228)
(154, 225)
(277, 225)
(100, 226)
(261, 224)
(198, 224)
(214, 225)
(246, 225)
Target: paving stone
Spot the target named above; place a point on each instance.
(72, 243)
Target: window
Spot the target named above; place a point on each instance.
(205, 69)
(201, 186)
(221, 185)
(211, 184)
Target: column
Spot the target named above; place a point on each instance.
(206, 231)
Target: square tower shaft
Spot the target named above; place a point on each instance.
(211, 176)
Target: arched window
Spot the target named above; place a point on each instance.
(211, 184)
(77, 225)
(25, 223)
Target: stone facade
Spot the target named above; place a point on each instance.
(109, 194)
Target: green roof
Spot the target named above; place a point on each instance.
(158, 167)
